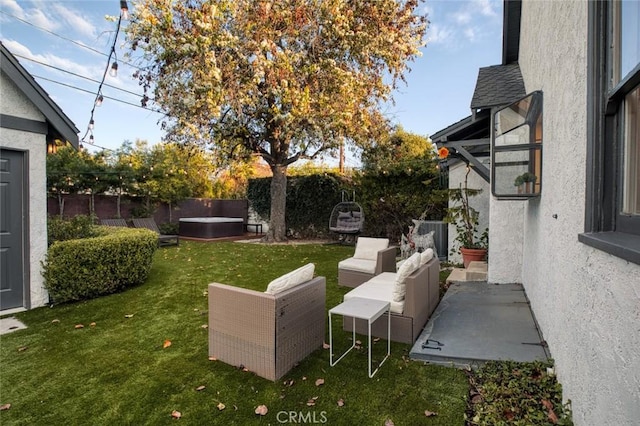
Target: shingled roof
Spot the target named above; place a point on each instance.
(497, 85)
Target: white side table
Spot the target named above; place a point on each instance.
(367, 309)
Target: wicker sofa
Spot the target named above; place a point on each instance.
(266, 333)
(409, 316)
(372, 257)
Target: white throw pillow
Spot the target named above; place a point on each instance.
(407, 268)
(368, 248)
(291, 279)
(426, 256)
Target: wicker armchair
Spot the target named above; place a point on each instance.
(372, 257)
(266, 333)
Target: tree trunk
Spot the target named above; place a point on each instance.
(61, 205)
(277, 224)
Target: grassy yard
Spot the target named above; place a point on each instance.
(120, 369)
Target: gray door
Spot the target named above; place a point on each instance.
(12, 225)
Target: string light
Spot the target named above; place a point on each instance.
(124, 10)
(124, 14)
(114, 70)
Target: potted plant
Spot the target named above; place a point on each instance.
(471, 243)
(524, 183)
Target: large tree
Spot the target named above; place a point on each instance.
(284, 80)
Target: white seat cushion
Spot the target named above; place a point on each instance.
(407, 268)
(291, 279)
(379, 287)
(360, 265)
(368, 248)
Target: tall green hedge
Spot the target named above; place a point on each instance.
(389, 198)
(85, 268)
(310, 200)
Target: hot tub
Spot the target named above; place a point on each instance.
(211, 227)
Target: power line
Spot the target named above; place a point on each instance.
(91, 92)
(84, 46)
(74, 74)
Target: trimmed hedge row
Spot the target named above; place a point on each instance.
(86, 268)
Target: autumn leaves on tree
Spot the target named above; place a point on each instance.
(285, 80)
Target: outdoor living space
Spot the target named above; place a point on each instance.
(159, 330)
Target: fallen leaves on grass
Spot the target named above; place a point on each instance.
(262, 410)
(325, 345)
(201, 387)
(166, 344)
(93, 324)
(340, 402)
(23, 348)
(213, 358)
(289, 382)
(430, 413)
(129, 316)
(79, 326)
(389, 422)
(176, 414)
(5, 407)
(312, 401)
(221, 406)
(55, 321)
(319, 382)
(205, 326)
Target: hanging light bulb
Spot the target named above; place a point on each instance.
(99, 100)
(91, 124)
(91, 139)
(113, 72)
(124, 10)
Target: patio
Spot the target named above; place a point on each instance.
(477, 322)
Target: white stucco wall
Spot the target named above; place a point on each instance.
(587, 302)
(505, 241)
(13, 102)
(479, 202)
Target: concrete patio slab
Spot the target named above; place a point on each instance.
(10, 324)
(476, 322)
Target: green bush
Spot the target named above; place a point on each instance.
(80, 226)
(168, 228)
(310, 200)
(83, 269)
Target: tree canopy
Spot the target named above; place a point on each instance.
(285, 80)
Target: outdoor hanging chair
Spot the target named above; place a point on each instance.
(347, 219)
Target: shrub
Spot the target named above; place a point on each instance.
(516, 393)
(86, 268)
(169, 228)
(80, 226)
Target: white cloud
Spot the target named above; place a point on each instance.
(486, 7)
(18, 48)
(38, 18)
(75, 21)
(12, 7)
(439, 34)
(462, 17)
(470, 34)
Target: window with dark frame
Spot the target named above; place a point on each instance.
(613, 170)
(516, 163)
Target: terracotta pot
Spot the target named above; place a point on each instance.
(471, 255)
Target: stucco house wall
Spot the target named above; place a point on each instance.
(586, 301)
(14, 103)
(479, 202)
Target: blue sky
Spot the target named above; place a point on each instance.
(464, 35)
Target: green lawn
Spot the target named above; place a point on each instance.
(115, 370)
